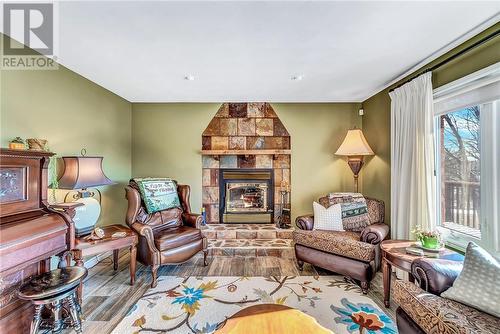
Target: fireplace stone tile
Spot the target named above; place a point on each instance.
(213, 128)
(279, 128)
(263, 161)
(237, 143)
(272, 142)
(214, 177)
(255, 143)
(223, 111)
(246, 235)
(246, 126)
(264, 126)
(206, 143)
(228, 126)
(206, 177)
(246, 162)
(209, 162)
(282, 161)
(227, 234)
(213, 213)
(269, 111)
(286, 175)
(220, 143)
(285, 143)
(278, 176)
(284, 234)
(229, 161)
(266, 234)
(238, 110)
(210, 195)
(256, 109)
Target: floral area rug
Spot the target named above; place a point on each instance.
(202, 304)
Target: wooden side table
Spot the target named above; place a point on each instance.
(394, 255)
(271, 318)
(85, 247)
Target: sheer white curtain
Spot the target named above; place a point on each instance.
(412, 157)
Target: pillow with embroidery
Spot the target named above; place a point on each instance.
(158, 194)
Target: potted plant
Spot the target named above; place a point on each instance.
(17, 144)
(429, 239)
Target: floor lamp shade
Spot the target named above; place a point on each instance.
(354, 144)
(355, 147)
(83, 172)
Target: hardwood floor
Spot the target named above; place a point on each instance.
(108, 295)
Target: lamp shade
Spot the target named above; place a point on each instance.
(354, 144)
(83, 172)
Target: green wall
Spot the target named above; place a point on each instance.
(166, 141)
(72, 113)
(376, 122)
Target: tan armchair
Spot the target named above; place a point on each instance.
(352, 254)
(166, 237)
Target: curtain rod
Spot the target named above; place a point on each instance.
(452, 57)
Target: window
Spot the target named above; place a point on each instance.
(460, 170)
(467, 126)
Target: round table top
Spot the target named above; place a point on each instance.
(271, 318)
(52, 283)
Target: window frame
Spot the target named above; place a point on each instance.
(489, 214)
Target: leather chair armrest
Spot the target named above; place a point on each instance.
(435, 275)
(305, 222)
(375, 233)
(192, 219)
(147, 232)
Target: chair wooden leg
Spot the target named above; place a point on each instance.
(154, 273)
(205, 255)
(133, 263)
(364, 287)
(115, 259)
(300, 264)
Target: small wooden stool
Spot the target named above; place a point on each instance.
(56, 291)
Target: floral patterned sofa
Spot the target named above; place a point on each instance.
(422, 310)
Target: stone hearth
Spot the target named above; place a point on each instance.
(249, 240)
(244, 136)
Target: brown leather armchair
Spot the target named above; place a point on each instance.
(166, 237)
(352, 254)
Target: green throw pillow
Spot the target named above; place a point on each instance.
(158, 194)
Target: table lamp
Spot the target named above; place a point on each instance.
(82, 172)
(355, 147)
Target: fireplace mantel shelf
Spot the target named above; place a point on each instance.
(244, 152)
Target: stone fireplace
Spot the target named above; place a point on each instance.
(246, 164)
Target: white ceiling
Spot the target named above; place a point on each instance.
(248, 51)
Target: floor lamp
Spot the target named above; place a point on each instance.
(355, 147)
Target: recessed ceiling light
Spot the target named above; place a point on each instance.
(297, 77)
(189, 77)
